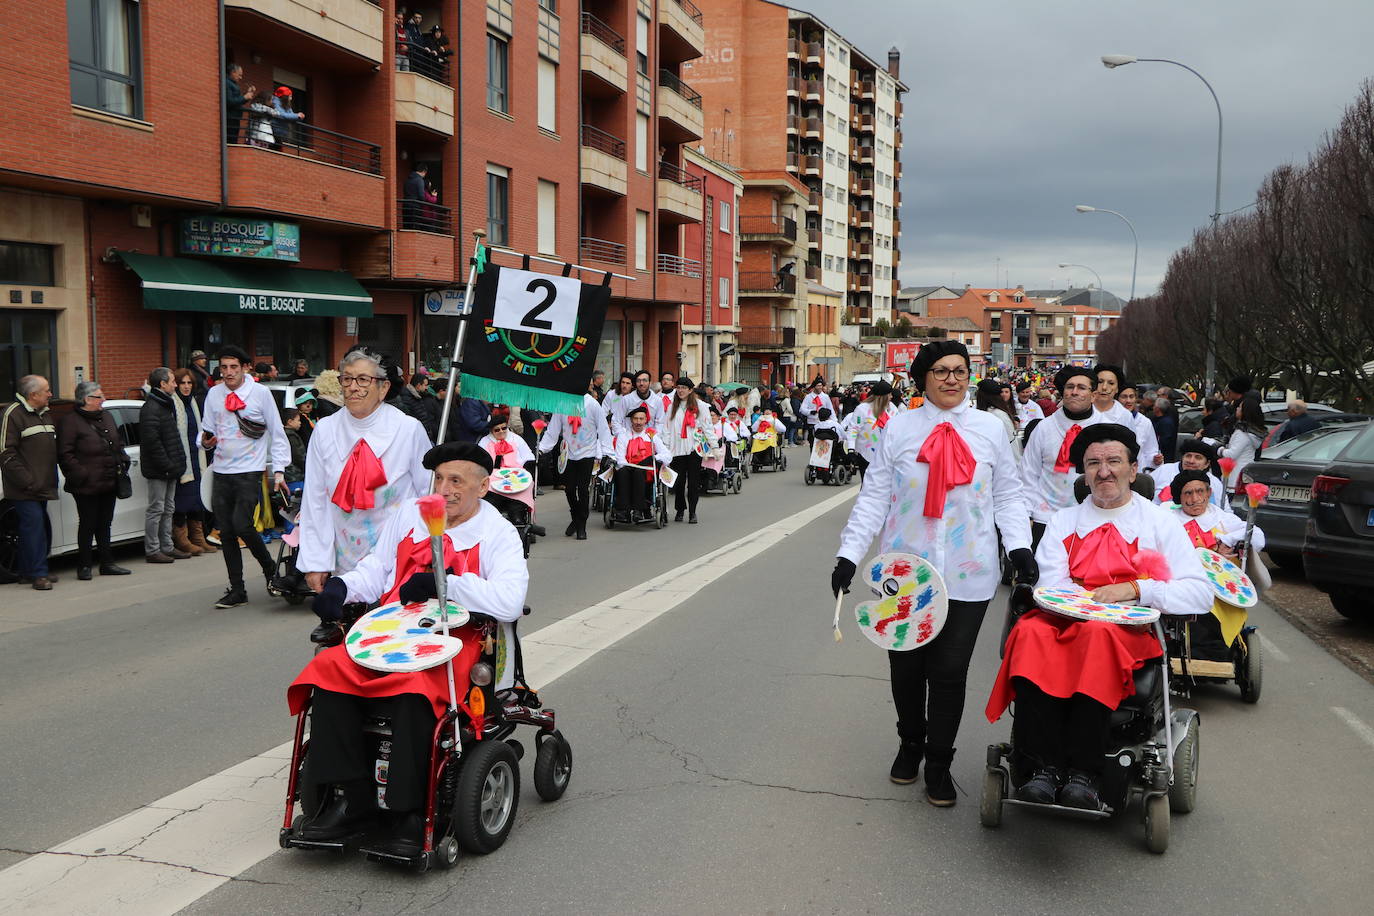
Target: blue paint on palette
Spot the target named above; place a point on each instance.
(387, 612)
(417, 631)
(396, 658)
(876, 573)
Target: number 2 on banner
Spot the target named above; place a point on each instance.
(536, 303)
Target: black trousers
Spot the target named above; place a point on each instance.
(631, 488)
(339, 750)
(94, 515)
(577, 487)
(928, 684)
(236, 498)
(1068, 734)
(687, 490)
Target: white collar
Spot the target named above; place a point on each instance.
(342, 430)
(1126, 519)
(461, 536)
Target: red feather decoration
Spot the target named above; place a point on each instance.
(1151, 564)
(1226, 465)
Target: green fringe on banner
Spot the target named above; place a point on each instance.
(494, 392)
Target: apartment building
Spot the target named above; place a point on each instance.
(141, 219)
(787, 95)
(710, 330)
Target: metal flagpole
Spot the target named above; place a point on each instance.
(456, 363)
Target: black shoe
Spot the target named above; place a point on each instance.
(335, 821)
(232, 598)
(940, 790)
(1080, 792)
(570, 530)
(581, 531)
(538, 531)
(678, 517)
(692, 519)
(110, 569)
(328, 633)
(906, 764)
(1042, 787)
(27, 580)
(83, 573)
(408, 833)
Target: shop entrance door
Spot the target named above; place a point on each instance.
(28, 340)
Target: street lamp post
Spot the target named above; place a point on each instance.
(1111, 62)
(1088, 269)
(1135, 259)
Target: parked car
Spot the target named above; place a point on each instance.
(284, 393)
(1288, 469)
(128, 515)
(1338, 549)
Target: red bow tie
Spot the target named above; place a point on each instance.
(234, 403)
(1062, 464)
(362, 474)
(576, 424)
(951, 465)
(881, 421)
(413, 556)
(1199, 536)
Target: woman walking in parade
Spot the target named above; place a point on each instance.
(942, 477)
(865, 426)
(684, 419)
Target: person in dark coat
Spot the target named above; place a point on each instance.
(234, 101)
(1165, 422)
(1213, 419)
(92, 457)
(418, 401)
(188, 521)
(165, 459)
(1299, 421)
(28, 468)
(469, 419)
(414, 197)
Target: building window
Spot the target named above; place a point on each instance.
(995, 323)
(642, 142)
(642, 44)
(726, 225)
(498, 84)
(23, 264)
(641, 240)
(548, 217)
(550, 5)
(498, 205)
(548, 95)
(725, 292)
(1042, 340)
(103, 39)
(1041, 321)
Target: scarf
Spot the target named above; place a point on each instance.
(184, 434)
(1199, 536)
(415, 556)
(499, 449)
(951, 465)
(1062, 464)
(637, 451)
(689, 418)
(362, 474)
(880, 421)
(1101, 558)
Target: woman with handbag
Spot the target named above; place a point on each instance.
(188, 517)
(95, 467)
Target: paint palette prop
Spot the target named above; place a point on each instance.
(509, 481)
(820, 453)
(562, 455)
(400, 637)
(1228, 581)
(1079, 604)
(912, 602)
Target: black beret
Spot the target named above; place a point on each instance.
(990, 387)
(1205, 449)
(496, 421)
(684, 380)
(1183, 478)
(1102, 432)
(1241, 384)
(741, 390)
(732, 409)
(1114, 370)
(1061, 378)
(930, 354)
(637, 409)
(458, 451)
(880, 388)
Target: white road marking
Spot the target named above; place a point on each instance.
(1357, 725)
(1272, 650)
(163, 856)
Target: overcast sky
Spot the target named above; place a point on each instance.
(1011, 120)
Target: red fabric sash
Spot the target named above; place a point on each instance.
(233, 402)
(951, 465)
(413, 557)
(1101, 558)
(362, 474)
(1062, 464)
(576, 424)
(1199, 537)
(689, 418)
(638, 451)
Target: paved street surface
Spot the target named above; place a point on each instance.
(729, 757)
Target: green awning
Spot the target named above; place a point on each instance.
(192, 285)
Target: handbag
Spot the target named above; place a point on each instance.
(124, 485)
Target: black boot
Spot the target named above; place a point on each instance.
(940, 790)
(407, 835)
(83, 573)
(1080, 791)
(339, 817)
(571, 529)
(1042, 788)
(906, 764)
(581, 530)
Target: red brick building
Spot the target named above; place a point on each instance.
(710, 329)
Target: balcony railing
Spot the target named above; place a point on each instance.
(690, 8)
(682, 267)
(814, 87)
(813, 200)
(423, 216)
(767, 281)
(782, 226)
(813, 272)
(424, 61)
(815, 49)
(602, 250)
(674, 82)
(794, 47)
(763, 335)
(811, 127)
(597, 139)
(678, 175)
(599, 30)
(812, 163)
(793, 160)
(296, 138)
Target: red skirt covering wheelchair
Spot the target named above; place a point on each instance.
(470, 787)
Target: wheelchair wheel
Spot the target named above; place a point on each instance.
(990, 804)
(661, 513)
(609, 515)
(553, 767)
(1183, 793)
(738, 483)
(488, 797)
(810, 476)
(782, 462)
(1250, 669)
(446, 852)
(1157, 823)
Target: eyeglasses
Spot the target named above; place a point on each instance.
(499, 429)
(361, 381)
(95, 397)
(943, 372)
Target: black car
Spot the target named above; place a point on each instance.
(1338, 550)
(1288, 469)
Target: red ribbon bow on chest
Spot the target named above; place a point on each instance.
(1062, 464)
(362, 474)
(413, 556)
(689, 418)
(881, 420)
(951, 465)
(1104, 557)
(575, 423)
(233, 403)
(1199, 535)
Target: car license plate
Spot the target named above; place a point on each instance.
(1290, 494)
(1369, 522)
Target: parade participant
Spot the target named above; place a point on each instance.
(1046, 470)
(1108, 380)
(1209, 525)
(640, 395)
(1068, 675)
(508, 451)
(361, 464)
(943, 475)
(640, 446)
(815, 399)
(241, 423)
(611, 403)
(988, 397)
(666, 383)
(863, 429)
(1142, 426)
(1194, 455)
(588, 438)
(683, 426)
(486, 574)
(1026, 407)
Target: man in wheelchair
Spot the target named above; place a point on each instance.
(486, 574)
(637, 451)
(1067, 675)
(509, 451)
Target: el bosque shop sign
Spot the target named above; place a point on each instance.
(237, 237)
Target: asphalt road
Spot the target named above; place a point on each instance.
(729, 756)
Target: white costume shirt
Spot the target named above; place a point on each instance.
(333, 540)
(861, 431)
(962, 545)
(653, 403)
(670, 429)
(1164, 476)
(1145, 436)
(1114, 414)
(622, 443)
(730, 430)
(515, 459)
(1048, 490)
(772, 424)
(1224, 525)
(812, 403)
(1028, 411)
(499, 590)
(1150, 528)
(593, 436)
(236, 453)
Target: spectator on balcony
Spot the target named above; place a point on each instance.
(234, 101)
(423, 58)
(283, 112)
(784, 274)
(437, 44)
(260, 117)
(402, 41)
(412, 206)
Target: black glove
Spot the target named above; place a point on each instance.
(842, 576)
(419, 587)
(1023, 561)
(328, 604)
